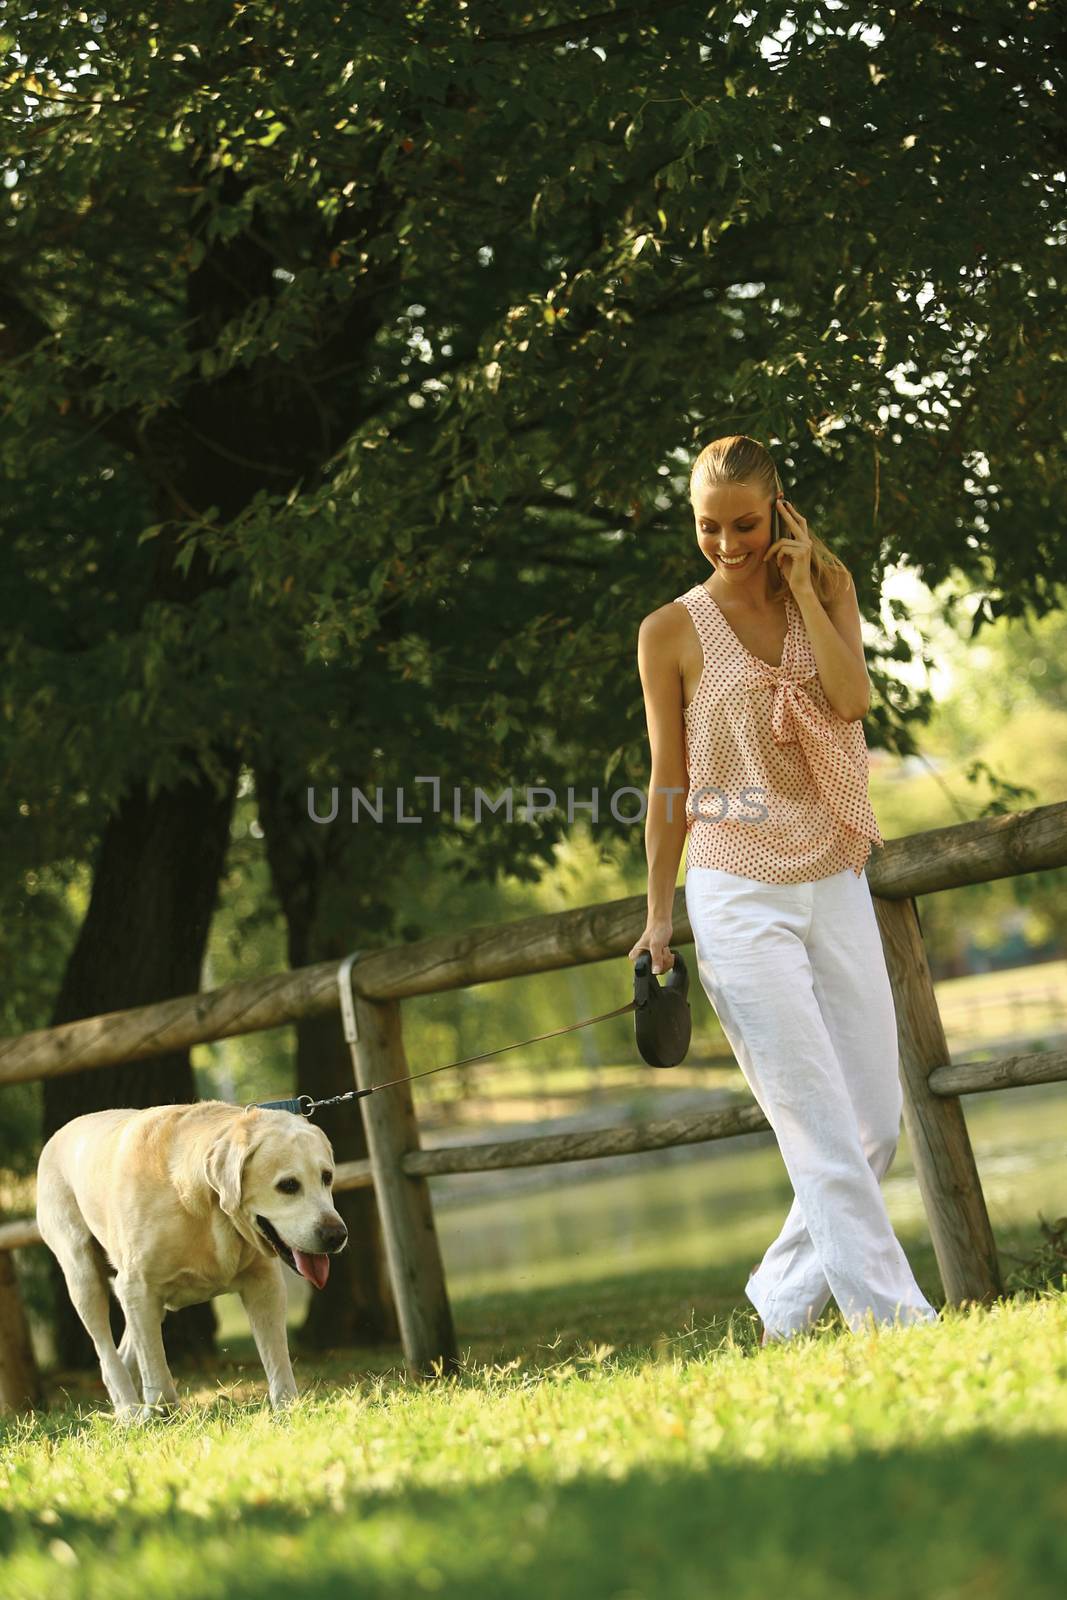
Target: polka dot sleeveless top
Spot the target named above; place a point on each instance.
(778, 782)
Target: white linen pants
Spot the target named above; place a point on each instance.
(797, 977)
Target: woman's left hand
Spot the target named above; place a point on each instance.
(796, 570)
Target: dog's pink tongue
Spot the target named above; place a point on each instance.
(316, 1269)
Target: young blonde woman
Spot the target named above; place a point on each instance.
(755, 688)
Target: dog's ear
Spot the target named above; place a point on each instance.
(224, 1166)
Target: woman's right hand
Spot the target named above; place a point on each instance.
(656, 940)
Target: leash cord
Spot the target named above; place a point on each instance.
(303, 1105)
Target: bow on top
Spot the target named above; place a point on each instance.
(834, 750)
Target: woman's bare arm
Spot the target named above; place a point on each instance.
(659, 664)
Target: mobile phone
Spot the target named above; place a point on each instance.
(776, 527)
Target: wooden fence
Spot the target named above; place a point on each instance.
(399, 1169)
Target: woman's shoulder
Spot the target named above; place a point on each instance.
(666, 631)
(667, 617)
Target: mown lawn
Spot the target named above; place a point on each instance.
(677, 1459)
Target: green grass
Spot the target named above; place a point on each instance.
(924, 1460)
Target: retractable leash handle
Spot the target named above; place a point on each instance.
(663, 1022)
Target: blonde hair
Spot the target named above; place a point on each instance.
(735, 458)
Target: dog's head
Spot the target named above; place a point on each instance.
(273, 1174)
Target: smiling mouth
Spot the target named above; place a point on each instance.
(306, 1264)
(728, 563)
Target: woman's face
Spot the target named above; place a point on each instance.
(733, 525)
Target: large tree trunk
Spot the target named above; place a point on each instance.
(356, 1307)
(155, 882)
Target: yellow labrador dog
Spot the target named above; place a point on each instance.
(174, 1205)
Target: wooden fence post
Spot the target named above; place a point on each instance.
(937, 1131)
(404, 1204)
(20, 1382)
